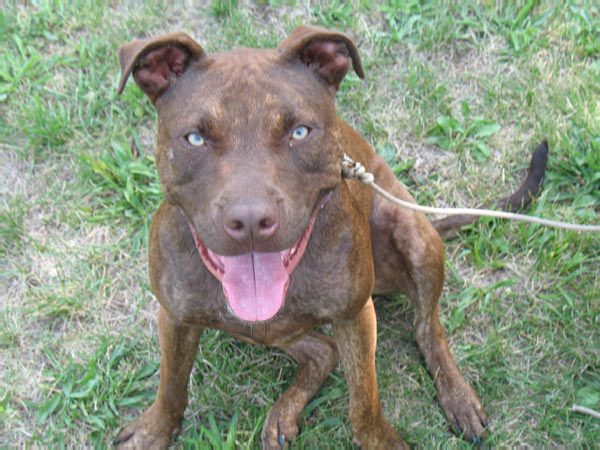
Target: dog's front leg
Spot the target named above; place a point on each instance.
(154, 429)
(356, 340)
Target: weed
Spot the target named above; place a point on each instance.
(336, 14)
(91, 392)
(224, 8)
(450, 134)
(128, 185)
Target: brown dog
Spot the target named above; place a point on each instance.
(259, 235)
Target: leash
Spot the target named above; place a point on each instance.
(353, 170)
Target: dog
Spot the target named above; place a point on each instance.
(260, 236)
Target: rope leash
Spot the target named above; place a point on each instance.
(356, 171)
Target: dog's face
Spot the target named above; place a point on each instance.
(242, 130)
(249, 148)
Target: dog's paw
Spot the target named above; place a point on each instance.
(147, 432)
(465, 412)
(281, 425)
(389, 444)
(378, 435)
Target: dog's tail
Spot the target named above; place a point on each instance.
(520, 199)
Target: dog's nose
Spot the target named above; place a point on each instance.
(251, 223)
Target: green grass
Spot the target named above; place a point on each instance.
(456, 97)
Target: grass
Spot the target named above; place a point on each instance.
(457, 95)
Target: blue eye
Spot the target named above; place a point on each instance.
(300, 133)
(195, 139)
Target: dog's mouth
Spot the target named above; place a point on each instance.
(255, 283)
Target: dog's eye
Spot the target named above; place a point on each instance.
(195, 139)
(300, 133)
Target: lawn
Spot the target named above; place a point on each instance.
(456, 97)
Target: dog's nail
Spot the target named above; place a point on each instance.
(477, 440)
(460, 430)
(282, 440)
(117, 441)
(484, 423)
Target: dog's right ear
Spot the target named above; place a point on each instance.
(156, 63)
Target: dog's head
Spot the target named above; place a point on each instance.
(249, 148)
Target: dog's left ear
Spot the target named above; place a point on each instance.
(327, 53)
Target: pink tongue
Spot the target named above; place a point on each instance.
(255, 284)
